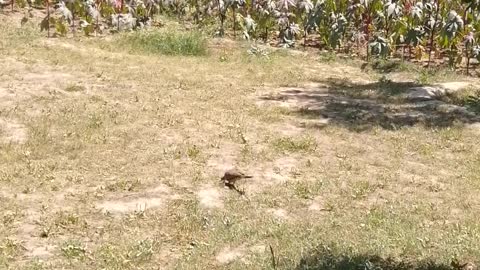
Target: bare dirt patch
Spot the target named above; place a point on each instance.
(280, 214)
(271, 173)
(319, 204)
(289, 129)
(139, 201)
(210, 197)
(29, 234)
(243, 253)
(131, 205)
(228, 255)
(12, 132)
(34, 245)
(224, 158)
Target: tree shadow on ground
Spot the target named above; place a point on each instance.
(325, 259)
(362, 106)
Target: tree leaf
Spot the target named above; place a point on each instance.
(305, 5)
(286, 4)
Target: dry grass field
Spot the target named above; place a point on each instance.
(111, 152)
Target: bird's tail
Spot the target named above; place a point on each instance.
(248, 176)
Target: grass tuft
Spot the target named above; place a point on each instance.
(73, 249)
(291, 144)
(166, 42)
(75, 88)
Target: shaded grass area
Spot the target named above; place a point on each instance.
(363, 106)
(469, 98)
(327, 257)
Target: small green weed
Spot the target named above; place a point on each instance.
(141, 251)
(75, 88)
(73, 249)
(290, 144)
(124, 185)
(66, 219)
(328, 57)
(9, 249)
(193, 152)
(307, 190)
(361, 189)
(425, 76)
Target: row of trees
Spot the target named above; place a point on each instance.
(446, 28)
(88, 16)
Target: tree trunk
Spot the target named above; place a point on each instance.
(118, 16)
(222, 21)
(48, 18)
(468, 59)
(234, 23)
(195, 16)
(367, 31)
(305, 38)
(220, 13)
(386, 26)
(96, 23)
(432, 34)
(73, 19)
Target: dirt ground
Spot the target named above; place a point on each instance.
(112, 160)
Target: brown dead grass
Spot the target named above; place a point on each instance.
(123, 172)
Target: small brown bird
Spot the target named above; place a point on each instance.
(232, 176)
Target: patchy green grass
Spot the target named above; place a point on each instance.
(166, 42)
(9, 249)
(13, 37)
(292, 144)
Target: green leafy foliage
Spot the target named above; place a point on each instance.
(249, 27)
(92, 16)
(379, 46)
(379, 26)
(416, 12)
(61, 28)
(339, 25)
(453, 25)
(415, 36)
(393, 9)
(87, 28)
